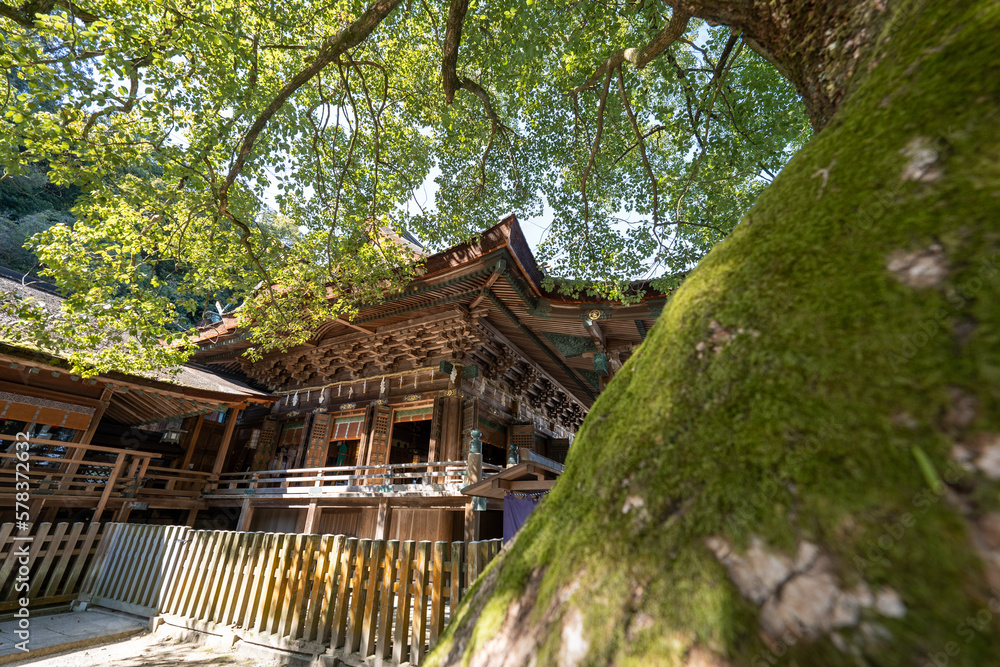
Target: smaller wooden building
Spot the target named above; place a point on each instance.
(115, 446)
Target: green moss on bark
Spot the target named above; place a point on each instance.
(804, 411)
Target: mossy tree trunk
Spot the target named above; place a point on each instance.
(801, 463)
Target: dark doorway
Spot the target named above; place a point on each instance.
(411, 442)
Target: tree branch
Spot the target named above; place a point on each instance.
(642, 146)
(26, 13)
(643, 55)
(449, 52)
(332, 48)
(593, 150)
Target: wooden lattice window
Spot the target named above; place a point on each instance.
(559, 449)
(381, 426)
(318, 442)
(266, 444)
(522, 436)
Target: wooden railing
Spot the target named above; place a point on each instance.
(308, 593)
(55, 557)
(344, 479)
(71, 470)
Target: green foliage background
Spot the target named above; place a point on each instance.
(171, 119)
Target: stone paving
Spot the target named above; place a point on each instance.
(64, 632)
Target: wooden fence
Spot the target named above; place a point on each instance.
(134, 567)
(312, 594)
(55, 558)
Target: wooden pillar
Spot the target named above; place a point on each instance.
(121, 516)
(475, 473)
(312, 517)
(227, 438)
(451, 428)
(192, 515)
(97, 416)
(382, 520)
(246, 516)
(79, 452)
(433, 449)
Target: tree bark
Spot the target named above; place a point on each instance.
(800, 465)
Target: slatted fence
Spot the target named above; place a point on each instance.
(308, 593)
(55, 557)
(134, 567)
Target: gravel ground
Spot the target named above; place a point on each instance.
(149, 650)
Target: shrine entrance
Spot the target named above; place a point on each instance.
(411, 442)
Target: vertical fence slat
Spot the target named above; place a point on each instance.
(372, 594)
(205, 583)
(457, 576)
(437, 591)
(132, 569)
(173, 558)
(195, 576)
(112, 580)
(188, 565)
(307, 580)
(357, 597)
(240, 577)
(331, 588)
(316, 588)
(224, 575)
(252, 614)
(420, 602)
(267, 592)
(293, 570)
(400, 648)
(387, 605)
(339, 624)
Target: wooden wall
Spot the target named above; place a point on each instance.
(432, 525)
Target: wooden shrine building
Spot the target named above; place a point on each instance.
(112, 446)
(371, 432)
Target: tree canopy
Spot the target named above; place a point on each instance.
(647, 134)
